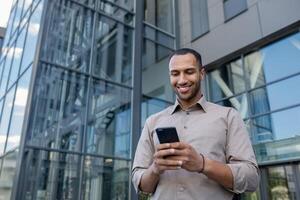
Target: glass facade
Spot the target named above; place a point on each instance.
(67, 75)
(262, 86)
(66, 95)
(80, 103)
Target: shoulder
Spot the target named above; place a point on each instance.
(212, 107)
(154, 118)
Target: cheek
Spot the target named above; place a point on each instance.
(173, 81)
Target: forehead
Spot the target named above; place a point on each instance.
(182, 61)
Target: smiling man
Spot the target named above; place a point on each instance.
(214, 158)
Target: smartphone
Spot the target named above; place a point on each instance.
(167, 135)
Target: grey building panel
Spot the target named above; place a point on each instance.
(277, 14)
(230, 37)
(260, 20)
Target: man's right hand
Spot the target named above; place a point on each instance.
(161, 161)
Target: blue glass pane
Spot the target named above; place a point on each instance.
(31, 37)
(275, 61)
(18, 51)
(226, 80)
(109, 124)
(5, 118)
(277, 135)
(15, 130)
(276, 96)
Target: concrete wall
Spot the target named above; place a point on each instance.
(262, 18)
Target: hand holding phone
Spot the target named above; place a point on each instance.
(167, 135)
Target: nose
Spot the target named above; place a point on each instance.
(182, 79)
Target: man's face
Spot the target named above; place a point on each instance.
(185, 77)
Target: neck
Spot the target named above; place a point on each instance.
(186, 104)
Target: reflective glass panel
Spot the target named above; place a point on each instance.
(31, 37)
(274, 61)
(18, 51)
(119, 10)
(109, 120)
(5, 118)
(8, 173)
(113, 59)
(240, 103)
(17, 16)
(70, 44)
(281, 183)
(199, 16)
(226, 80)
(155, 73)
(160, 14)
(59, 107)
(105, 178)
(7, 65)
(276, 96)
(234, 7)
(51, 175)
(15, 130)
(151, 106)
(277, 135)
(9, 26)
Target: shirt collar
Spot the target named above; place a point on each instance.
(201, 102)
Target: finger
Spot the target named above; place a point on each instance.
(179, 145)
(176, 157)
(163, 168)
(164, 152)
(163, 146)
(166, 162)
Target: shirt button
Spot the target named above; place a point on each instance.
(187, 113)
(184, 127)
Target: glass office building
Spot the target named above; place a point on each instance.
(78, 78)
(71, 75)
(263, 87)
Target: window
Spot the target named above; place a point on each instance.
(234, 7)
(199, 17)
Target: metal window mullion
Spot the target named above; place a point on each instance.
(137, 83)
(87, 74)
(88, 101)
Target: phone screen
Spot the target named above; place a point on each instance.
(167, 135)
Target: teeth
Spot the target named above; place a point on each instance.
(183, 89)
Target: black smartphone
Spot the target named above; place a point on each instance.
(167, 135)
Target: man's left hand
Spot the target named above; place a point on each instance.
(191, 160)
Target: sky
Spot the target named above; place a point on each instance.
(5, 6)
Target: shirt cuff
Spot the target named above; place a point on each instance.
(245, 178)
(136, 178)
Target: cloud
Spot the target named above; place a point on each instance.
(5, 11)
(21, 97)
(10, 54)
(34, 29)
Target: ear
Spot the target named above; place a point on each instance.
(202, 73)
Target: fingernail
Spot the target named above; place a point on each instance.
(172, 150)
(178, 167)
(179, 162)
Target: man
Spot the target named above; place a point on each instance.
(214, 158)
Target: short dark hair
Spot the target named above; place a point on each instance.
(184, 51)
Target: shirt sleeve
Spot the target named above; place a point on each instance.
(143, 156)
(240, 156)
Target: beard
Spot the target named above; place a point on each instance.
(193, 94)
